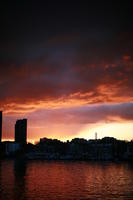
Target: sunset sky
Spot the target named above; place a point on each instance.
(68, 68)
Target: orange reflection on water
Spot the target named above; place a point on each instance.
(79, 180)
(65, 180)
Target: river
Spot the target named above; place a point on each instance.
(40, 180)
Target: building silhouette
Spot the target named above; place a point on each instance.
(21, 131)
(0, 126)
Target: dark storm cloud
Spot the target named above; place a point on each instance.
(56, 50)
(65, 68)
(84, 114)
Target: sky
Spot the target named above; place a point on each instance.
(67, 67)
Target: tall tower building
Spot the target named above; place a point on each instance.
(0, 126)
(95, 136)
(21, 131)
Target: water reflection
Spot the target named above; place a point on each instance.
(20, 180)
(6, 180)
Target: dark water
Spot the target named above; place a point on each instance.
(65, 180)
